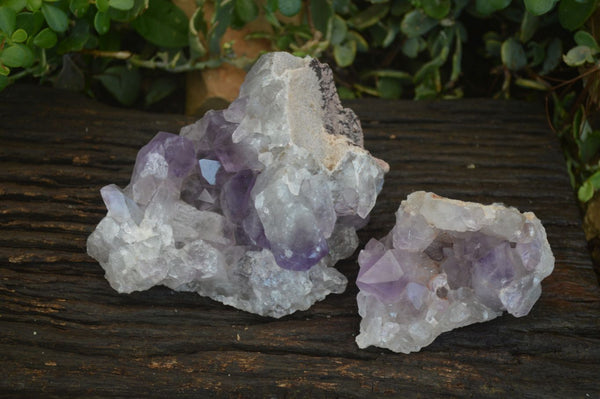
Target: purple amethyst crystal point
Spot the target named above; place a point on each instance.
(252, 205)
(447, 264)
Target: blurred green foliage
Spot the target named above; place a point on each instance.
(421, 49)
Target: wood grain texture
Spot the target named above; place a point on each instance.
(64, 332)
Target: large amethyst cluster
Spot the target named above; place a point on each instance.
(251, 205)
(447, 264)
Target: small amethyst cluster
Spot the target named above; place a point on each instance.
(447, 264)
(251, 205)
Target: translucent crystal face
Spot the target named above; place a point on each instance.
(446, 264)
(250, 205)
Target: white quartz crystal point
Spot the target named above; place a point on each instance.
(446, 264)
(252, 205)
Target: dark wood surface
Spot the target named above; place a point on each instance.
(64, 332)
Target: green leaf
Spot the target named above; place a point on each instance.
(163, 24)
(488, 7)
(578, 56)
(45, 39)
(246, 10)
(220, 22)
(321, 12)
(588, 141)
(456, 59)
(234, 21)
(576, 125)
(425, 91)
(412, 46)
(389, 88)
(345, 93)
(573, 13)
(272, 19)
(3, 79)
(513, 55)
(366, 89)
(197, 23)
(535, 53)
(493, 43)
(439, 40)
(271, 6)
(122, 5)
(531, 84)
(197, 48)
(461, 31)
(102, 22)
(31, 22)
(79, 7)
(283, 42)
(19, 36)
(55, 17)
(539, 7)
(437, 9)
(584, 38)
(369, 16)
(8, 19)
(553, 56)
(585, 192)
(377, 33)
(432, 67)
(344, 53)
(400, 7)
(139, 6)
(15, 5)
(339, 29)
(4, 71)
(197, 27)
(102, 5)
(34, 5)
(595, 180)
(389, 73)
(77, 38)
(362, 46)
(529, 25)
(123, 83)
(289, 8)
(160, 89)
(17, 56)
(391, 32)
(417, 23)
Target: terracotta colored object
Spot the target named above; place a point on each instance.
(216, 87)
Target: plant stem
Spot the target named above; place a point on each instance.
(118, 55)
(595, 68)
(21, 74)
(136, 60)
(167, 66)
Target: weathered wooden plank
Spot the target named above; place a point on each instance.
(65, 332)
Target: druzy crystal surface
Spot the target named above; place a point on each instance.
(447, 264)
(252, 205)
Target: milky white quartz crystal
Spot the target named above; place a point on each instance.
(447, 264)
(252, 205)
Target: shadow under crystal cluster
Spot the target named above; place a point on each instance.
(447, 264)
(250, 205)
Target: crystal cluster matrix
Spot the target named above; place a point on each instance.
(251, 205)
(446, 264)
